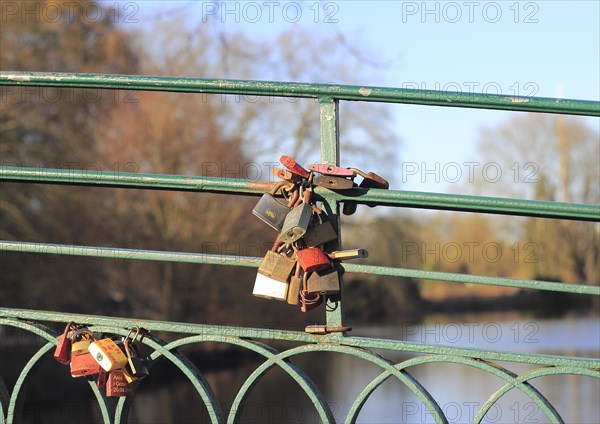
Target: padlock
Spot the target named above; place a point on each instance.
(62, 353)
(270, 210)
(276, 266)
(117, 385)
(297, 220)
(313, 259)
(270, 288)
(136, 366)
(320, 233)
(294, 287)
(324, 329)
(308, 301)
(333, 183)
(293, 166)
(336, 171)
(342, 255)
(284, 174)
(101, 380)
(108, 355)
(371, 180)
(324, 282)
(82, 363)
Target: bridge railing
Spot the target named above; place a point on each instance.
(256, 339)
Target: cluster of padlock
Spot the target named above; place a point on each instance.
(298, 269)
(116, 362)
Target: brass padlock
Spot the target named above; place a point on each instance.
(343, 255)
(324, 282)
(270, 210)
(324, 329)
(294, 287)
(117, 385)
(297, 220)
(108, 355)
(276, 265)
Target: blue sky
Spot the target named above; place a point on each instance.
(513, 47)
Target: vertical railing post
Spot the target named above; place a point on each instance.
(330, 154)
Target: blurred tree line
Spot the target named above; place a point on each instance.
(191, 134)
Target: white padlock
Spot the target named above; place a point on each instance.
(269, 288)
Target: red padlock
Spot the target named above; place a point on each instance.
(62, 353)
(293, 166)
(313, 259)
(82, 365)
(102, 377)
(117, 385)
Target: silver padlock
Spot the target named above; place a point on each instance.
(297, 220)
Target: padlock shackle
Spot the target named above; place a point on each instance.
(279, 185)
(68, 328)
(83, 330)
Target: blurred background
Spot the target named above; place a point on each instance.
(491, 47)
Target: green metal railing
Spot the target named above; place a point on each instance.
(253, 339)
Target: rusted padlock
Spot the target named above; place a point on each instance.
(308, 301)
(333, 183)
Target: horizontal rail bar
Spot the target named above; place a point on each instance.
(296, 336)
(396, 198)
(287, 89)
(251, 261)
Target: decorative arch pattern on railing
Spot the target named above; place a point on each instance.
(114, 411)
(257, 340)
